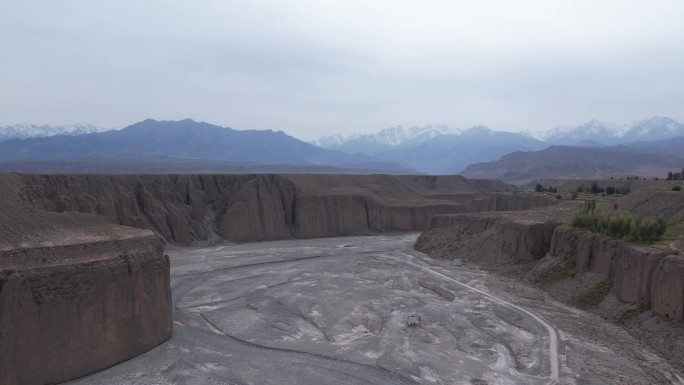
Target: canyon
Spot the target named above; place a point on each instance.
(84, 282)
(200, 209)
(82, 256)
(639, 286)
(335, 311)
(638, 274)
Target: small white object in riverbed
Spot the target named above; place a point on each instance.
(413, 320)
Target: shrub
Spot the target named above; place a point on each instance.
(618, 225)
(677, 188)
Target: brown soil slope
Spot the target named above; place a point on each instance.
(187, 209)
(77, 294)
(638, 285)
(640, 275)
(568, 162)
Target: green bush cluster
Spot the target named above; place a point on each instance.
(618, 225)
(540, 188)
(608, 190)
(675, 176)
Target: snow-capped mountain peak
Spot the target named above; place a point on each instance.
(592, 133)
(478, 131)
(330, 141)
(655, 128)
(391, 136)
(394, 136)
(594, 130)
(26, 130)
(556, 132)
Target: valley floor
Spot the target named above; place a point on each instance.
(335, 311)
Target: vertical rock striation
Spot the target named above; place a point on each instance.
(481, 237)
(183, 209)
(60, 321)
(77, 294)
(639, 274)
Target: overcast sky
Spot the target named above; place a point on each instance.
(313, 68)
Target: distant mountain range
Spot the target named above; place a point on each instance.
(26, 130)
(565, 162)
(445, 150)
(595, 149)
(596, 133)
(449, 154)
(592, 134)
(435, 149)
(386, 139)
(164, 146)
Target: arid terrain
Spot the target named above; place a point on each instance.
(334, 311)
(77, 293)
(536, 302)
(341, 192)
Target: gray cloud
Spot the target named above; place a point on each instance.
(314, 68)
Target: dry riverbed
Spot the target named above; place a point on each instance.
(335, 311)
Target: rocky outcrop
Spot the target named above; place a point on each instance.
(485, 239)
(667, 290)
(77, 294)
(528, 240)
(186, 209)
(639, 274)
(79, 308)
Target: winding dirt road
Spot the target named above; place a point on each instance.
(553, 336)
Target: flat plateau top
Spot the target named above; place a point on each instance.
(35, 238)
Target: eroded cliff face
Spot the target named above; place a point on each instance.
(183, 209)
(638, 274)
(487, 239)
(62, 318)
(77, 294)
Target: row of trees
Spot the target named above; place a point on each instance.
(608, 190)
(618, 225)
(540, 188)
(676, 175)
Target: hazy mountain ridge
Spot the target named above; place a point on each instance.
(186, 141)
(646, 159)
(656, 128)
(434, 149)
(449, 154)
(446, 151)
(27, 130)
(384, 139)
(593, 132)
